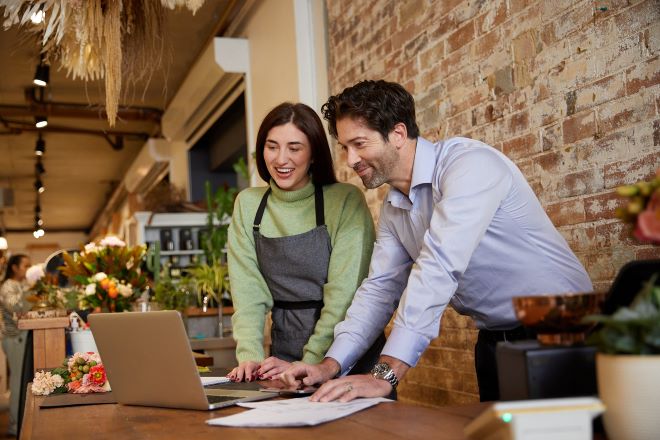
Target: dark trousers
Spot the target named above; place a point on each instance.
(485, 362)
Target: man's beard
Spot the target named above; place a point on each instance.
(381, 168)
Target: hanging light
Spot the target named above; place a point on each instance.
(42, 75)
(38, 232)
(40, 121)
(38, 221)
(39, 167)
(39, 186)
(3, 243)
(40, 148)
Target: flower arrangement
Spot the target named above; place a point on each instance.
(47, 292)
(79, 374)
(108, 274)
(643, 209)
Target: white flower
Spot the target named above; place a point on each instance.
(34, 274)
(90, 289)
(100, 276)
(125, 290)
(45, 383)
(112, 240)
(90, 248)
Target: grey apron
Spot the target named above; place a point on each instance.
(295, 269)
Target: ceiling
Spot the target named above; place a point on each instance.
(82, 165)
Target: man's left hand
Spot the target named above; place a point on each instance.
(348, 388)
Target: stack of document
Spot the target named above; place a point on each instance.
(293, 412)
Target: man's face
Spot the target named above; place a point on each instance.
(373, 159)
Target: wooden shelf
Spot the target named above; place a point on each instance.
(211, 311)
(190, 252)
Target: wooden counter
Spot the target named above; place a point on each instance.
(112, 421)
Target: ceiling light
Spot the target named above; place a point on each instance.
(3, 243)
(40, 148)
(39, 167)
(37, 208)
(42, 75)
(38, 232)
(39, 186)
(40, 121)
(38, 17)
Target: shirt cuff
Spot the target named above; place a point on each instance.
(343, 350)
(405, 345)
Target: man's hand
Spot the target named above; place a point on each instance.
(246, 370)
(351, 387)
(302, 374)
(271, 367)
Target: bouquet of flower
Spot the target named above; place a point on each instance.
(81, 373)
(643, 209)
(108, 273)
(45, 287)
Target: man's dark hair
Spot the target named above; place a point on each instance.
(380, 104)
(307, 121)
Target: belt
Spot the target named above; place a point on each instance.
(298, 305)
(514, 334)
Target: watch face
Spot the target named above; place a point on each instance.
(380, 369)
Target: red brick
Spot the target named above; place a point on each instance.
(642, 75)
(648, 253)
(618, 114)
(604, 90)
(431, 57)
(518, 123)
(496, 15)
(521, 146)
(603, 264)
(551, 137)
(518, 5)
(485, 45)
(602, 206)
(568, 212)
(579, 126)
(444, 6)
(631, 171)
(461, 37)
(580, 182)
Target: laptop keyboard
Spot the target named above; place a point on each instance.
(218, 399)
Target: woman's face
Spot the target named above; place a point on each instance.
(19, 271)
(288, 155)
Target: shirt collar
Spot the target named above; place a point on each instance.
(423, 169)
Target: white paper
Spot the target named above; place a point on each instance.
(213, 380)
(293, 412)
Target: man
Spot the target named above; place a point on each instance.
(459, 225)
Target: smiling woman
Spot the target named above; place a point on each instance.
(299, 247)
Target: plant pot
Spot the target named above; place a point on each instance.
(629, 386)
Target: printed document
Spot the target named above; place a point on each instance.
(293, 412)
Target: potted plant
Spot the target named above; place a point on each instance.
(628, 340)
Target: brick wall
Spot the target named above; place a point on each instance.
(568, 89)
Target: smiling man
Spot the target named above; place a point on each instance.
(460, 225)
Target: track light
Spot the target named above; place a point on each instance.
(39, 167)
(38, 221)
(42, 75)
(40, 121)
(38, 232)
(39, 186)
(40, 148)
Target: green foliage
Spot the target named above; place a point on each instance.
(63, 372)
(634, 329)
(208, 280)
(220, 206)
(170, 295)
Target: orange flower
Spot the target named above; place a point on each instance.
(105, 283)
(113, 292)
(97, 375)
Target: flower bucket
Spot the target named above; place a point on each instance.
(82, 341)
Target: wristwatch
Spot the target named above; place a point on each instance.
(384, 371)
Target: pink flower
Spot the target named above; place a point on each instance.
(648, 221)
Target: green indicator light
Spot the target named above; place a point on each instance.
(507, 417)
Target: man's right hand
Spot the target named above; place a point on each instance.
(246, 370)
(302, 374)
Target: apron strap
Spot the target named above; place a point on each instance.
(297, 305)
(260, 211)
(318, 205)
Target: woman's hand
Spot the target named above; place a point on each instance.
(246, 371)
(272, 367)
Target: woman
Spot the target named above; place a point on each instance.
(12, 299)
(299, 247)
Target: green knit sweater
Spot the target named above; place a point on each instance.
(351, 230)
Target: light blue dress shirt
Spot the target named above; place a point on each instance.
(471, 233)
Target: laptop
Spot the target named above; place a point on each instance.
(149, 362)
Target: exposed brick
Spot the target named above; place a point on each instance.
(603, 264)
(579, 126)
(551, 137)
(602, 206)
(630, 171)
(648, 253)
(568, 212)
(432, 56)
(495, 16)
(461, 37)
(615, 115)
(521, 146)
(656, 132)
(485, 45)
(642, 75)
(581, 182)
(604, 90)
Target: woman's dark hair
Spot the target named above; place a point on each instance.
(380, 104)
(307, 121)
(14, 260)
